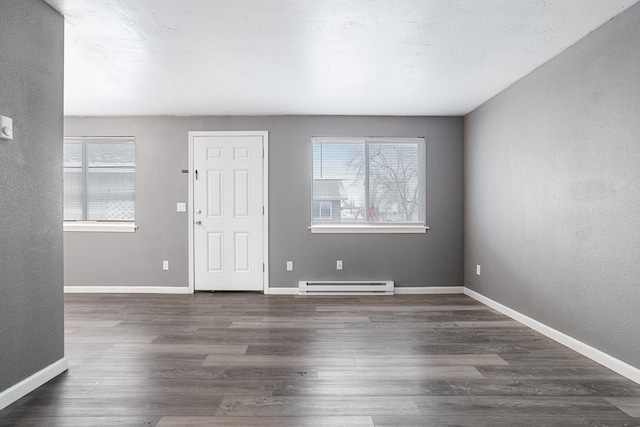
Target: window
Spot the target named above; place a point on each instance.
(99, 179)
(321, 209)
(368, 184)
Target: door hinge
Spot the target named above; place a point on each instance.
(263, 210)
(196, 174)
(263, 153)
(263, 267)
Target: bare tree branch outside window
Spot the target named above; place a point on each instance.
(393, 178)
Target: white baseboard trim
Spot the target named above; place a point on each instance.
(126, 290)
(282, 291)
(31, 383)
(429, 290)
(592, 353)
(425, 290)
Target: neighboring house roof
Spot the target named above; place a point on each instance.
(328, 189)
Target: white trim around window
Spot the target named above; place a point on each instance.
(380, 184)
(100, 227)
(99, 179)
(367, 229)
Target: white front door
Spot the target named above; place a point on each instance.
(228, 251)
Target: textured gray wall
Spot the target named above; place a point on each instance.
(31, 304)
(553, 192)
(432, 259)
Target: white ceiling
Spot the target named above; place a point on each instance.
(347, 57)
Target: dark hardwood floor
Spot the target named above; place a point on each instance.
(243, 359)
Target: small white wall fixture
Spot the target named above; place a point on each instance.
(6, 128)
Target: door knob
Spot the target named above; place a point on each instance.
(198, 211)
(198, 222)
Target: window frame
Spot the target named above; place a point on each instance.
(83, 225)
(368, 227)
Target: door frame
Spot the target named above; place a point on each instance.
(265, 200)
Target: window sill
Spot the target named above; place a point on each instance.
(368, 229)
(100, 227)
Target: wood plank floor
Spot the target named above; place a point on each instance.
(245, 359)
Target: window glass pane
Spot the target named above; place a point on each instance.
(72, 154)
(322, 210)
(73, 181)
(111, 194)
(99, 180)
(338, 180)
(316, 210)
(325, 210)
(73, 194)
(110, 181)
(108, 154)
(393, 181)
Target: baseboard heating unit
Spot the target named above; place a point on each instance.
(345, 288)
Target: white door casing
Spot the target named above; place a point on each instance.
(228, 211)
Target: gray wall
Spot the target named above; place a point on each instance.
(432, 259)
(553, 192)
(31, 304)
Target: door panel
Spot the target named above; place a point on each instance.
(243, 194)
(228, 222)
(214, 249)
(243, 252)
(214, 193)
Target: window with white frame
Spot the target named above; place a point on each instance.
(322, 209)
(376, 184)
(99, 179)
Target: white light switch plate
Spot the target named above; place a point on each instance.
(181, 207)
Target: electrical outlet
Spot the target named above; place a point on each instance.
(339, 264)
(289, 265)
(165, 265)
(478, 269)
